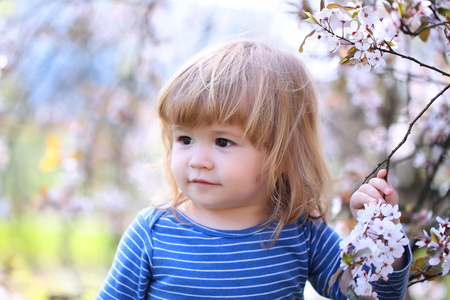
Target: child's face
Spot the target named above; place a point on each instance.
(217, 168)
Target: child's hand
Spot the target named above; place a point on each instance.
(373, 192)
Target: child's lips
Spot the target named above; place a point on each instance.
(202, 182)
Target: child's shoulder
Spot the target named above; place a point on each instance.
(308, 224)
(149, 215)
(304, 220)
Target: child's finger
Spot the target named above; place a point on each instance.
(384, 187)
(381, 185)
(363, 196)
(359, 199)
(382, 173)
(372, 191)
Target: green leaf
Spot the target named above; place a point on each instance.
(300, 49)
(345, 280)
(347, 259)
(363, 252)
(351, 295)
(309, 21)
(350, 53)
(420, 262)
(424, 34)
(335, 5)
(352, 50)
(434, 237)
(434, 251)
(336, 276)
(387, 6)
(444, 12)
(401, 9)
(310, 16)
(432, 274)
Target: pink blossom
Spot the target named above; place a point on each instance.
(362, 47)
(435, 260)
(342, 17)
(443, 222)
(386, 265)
(363, 288)
(324, 14)
(394, 236)
(397, 250)
(391, 212)
(374, 242)
(446, 266)
(375, 58)
(366, 15)
(380, 226)
(332, 42)
(424, 241)
(385, 30)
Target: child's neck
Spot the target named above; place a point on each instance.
(225, 219)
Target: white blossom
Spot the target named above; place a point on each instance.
(375, 58)
(424, 241)
(366, 15)
(332, 42)
(438, 244)
(446, 267)
(373, 244)
(391, 212)
(385, 30)
(362, 47)
(352, 30)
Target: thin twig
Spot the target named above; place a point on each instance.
(405, 138)
(419, 31)
(391, 51)
(433, 168)
(426, 277)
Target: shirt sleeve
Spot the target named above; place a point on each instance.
(396, 286)
(325, 260)
(130, 273)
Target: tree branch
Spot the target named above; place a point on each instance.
(426, 277)
(431, 175)
(419, 31)
(405, 138)
(391, 51)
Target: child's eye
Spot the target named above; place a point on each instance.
(185, 140)
(223, 143)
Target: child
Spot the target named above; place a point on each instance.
(244, 219)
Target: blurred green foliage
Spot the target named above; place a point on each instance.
(46, 255)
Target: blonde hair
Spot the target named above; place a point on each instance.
(269, 93)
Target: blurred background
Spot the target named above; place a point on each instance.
(79, 138)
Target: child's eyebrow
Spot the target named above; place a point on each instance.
(227, 132)
(178, 128)
(219, 131)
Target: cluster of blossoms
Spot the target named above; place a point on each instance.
(372, 247)
(438, 245)
(357, 26)
(369, 29)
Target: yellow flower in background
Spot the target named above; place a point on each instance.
(52, 155)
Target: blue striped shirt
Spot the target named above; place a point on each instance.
(162, 257)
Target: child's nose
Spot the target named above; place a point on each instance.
(201, 158)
